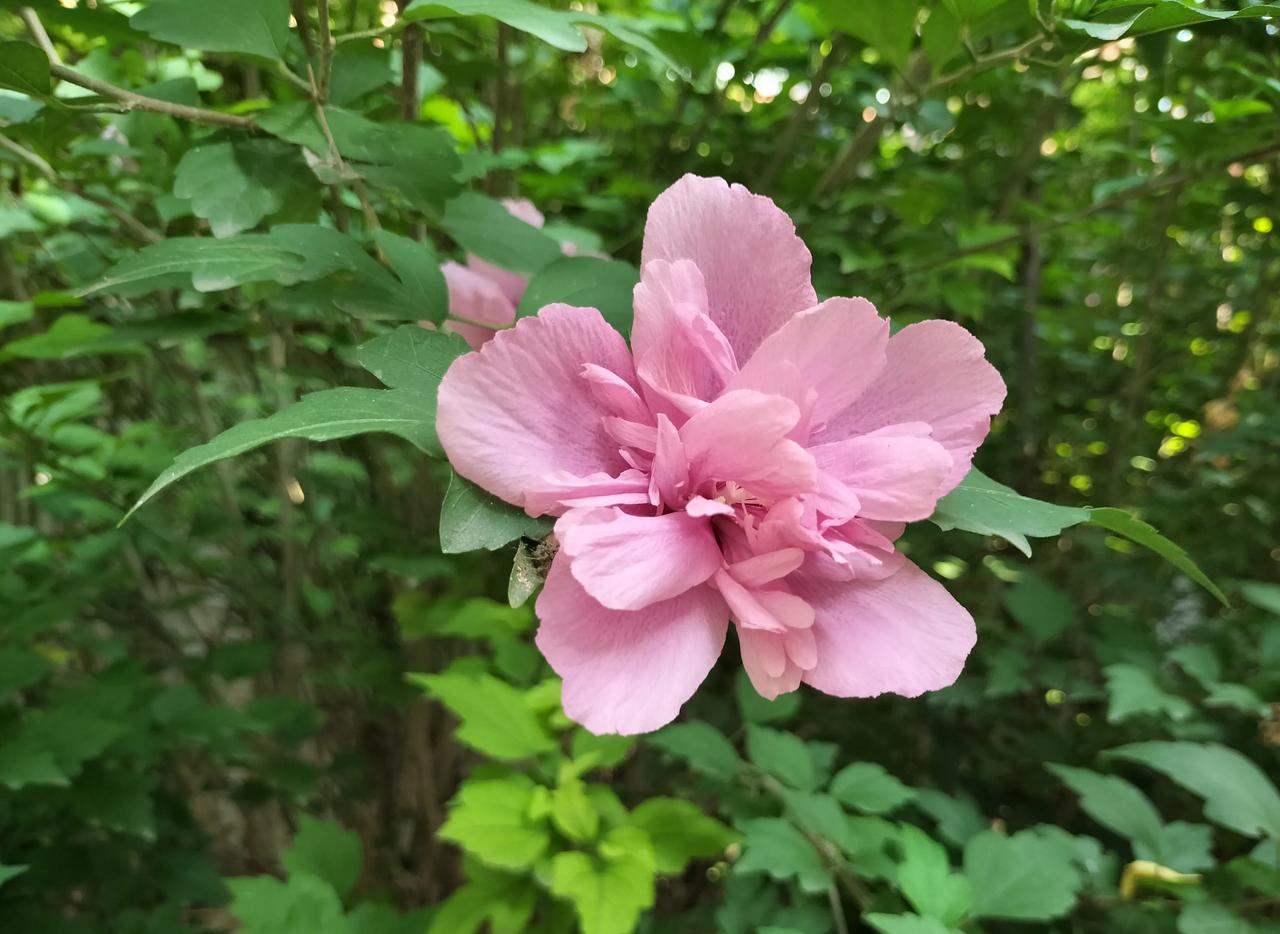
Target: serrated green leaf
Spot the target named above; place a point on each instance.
(23, 67)
(782, 755)
(680, 832)
(1237, 794)
(584, 282)
(1122, 523)
(1142, 19)
(926, 879)
(327, 851)
(777, 847)
(471, 519)
(551, 26)
(1114, 803)
(411, 357)
(250, 27)
(495, 718)
(980, 504)
(416, 264)
(1025, 877)
(321, 416)
(572, 811)
(1133, 691)
(869, 788)
(209, 264)
(235, 185)
(302, 905)
(702, 746)
(609, 892)
(490, 819)
(482, 226)
(906, 924)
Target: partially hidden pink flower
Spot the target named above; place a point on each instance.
(751, 458)
(486, 294)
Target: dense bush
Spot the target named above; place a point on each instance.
(290, 692)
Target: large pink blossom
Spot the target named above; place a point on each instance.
(751, 458)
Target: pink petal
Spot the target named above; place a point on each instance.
(630, 562)
(764, 568)
(937, 374)
(741, 438)
(562, 490)
(475, 298)
(755, 267)
(769, 610)
(627, 672)
(764, 656)
(895, 475)
(519, 412)
(669, 473)
(902, 635)
(510, 284)
(832, 352)
(522, 209)
(682, 359)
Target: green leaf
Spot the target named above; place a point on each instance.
(11, 872)
(495, 718)
(889, 28)
(69, 335)
(1042, 609)
(608, 893)
(572, 811)
(980, 504)
(419, 271)
(702, 746)
(302, 905)
(327, 851)
(777, 847)
(1120, 522)
(782, 755)
(209, 264)
(1263, 596)
(321, 416)
(1130, 19)
(235, 185)
(756, 709)
(23, 67)
(551, 26)
(251, 27)
(926, 879)
(1133, 691)
(1114, 803)
(415, 161)
(906, 924)
(680, 832)
(489, 895)
(1238, 795)
(584, 282)
(1026, 877)
(1209, 918)
(471, 519)
(868, 787)
(482, 226)
(411, 357)
(490, 819)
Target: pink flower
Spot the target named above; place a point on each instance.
(485, 293)
(752, 458)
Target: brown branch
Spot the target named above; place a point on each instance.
(37, 30)
(326, 48)
(131, 101)
(29, 157)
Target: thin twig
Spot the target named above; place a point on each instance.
(983, 63)
(367, 33)
(29, 157)
(326, 48)
(37, 30)
(132, 101)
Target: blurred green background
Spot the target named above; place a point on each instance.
(205, 723)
